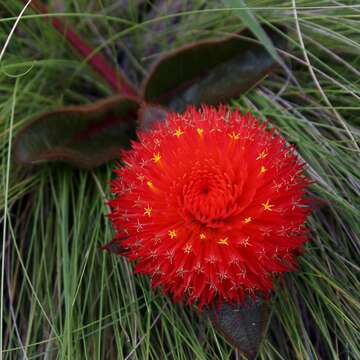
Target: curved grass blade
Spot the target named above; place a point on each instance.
(118, 81)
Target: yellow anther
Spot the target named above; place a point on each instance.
(234, 136)
(263, 169)
(262, 155)
(202, 236)
(178, 132)
(150, 185)
(267, 206)
(172, 234)
(247, 220)
(200, 131)
(147, 211)
(223, 241)
(156, 157)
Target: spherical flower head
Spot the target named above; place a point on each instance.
(211, 205)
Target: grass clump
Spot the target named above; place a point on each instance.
(63, 298)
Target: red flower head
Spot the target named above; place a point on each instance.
(211, 204)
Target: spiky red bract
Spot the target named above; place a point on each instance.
(210, 204)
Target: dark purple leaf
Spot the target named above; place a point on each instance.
(242, 325)
(85, 135)
(211, 71)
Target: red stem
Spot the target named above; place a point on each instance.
(98, 62)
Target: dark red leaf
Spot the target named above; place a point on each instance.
(85, 135)
(242, 325)
(210, 71)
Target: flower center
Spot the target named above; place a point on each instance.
(208, 194)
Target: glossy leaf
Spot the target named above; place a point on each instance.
(242, 325)
(86, 135)
(211, 71)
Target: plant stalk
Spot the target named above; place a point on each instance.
(117, 81)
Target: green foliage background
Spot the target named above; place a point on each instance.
(62, 297)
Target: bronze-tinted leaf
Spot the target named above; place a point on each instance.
(86, 135)
(242, 325)
(211, 71)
